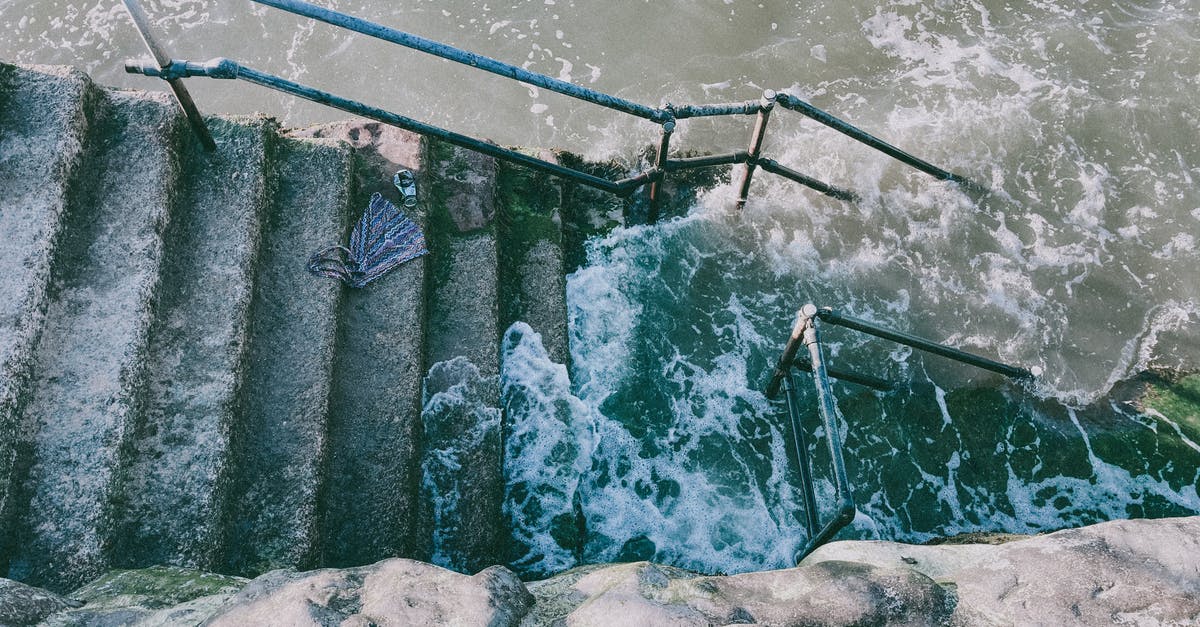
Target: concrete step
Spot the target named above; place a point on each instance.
(177, 478)
(279, 437)
(532, 278)
(586, 211)
(462, 483)
(370, 495)
(42, 125)
(91, 355)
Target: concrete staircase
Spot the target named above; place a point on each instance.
(176, 388)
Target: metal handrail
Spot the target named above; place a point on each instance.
(805, 334)
(173, 71)
(163, 59)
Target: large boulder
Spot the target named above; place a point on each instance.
(830, 593)
(391, 592)
(1129, 571)
(26, 605)
(1126, 571)
(1139, 572)
(160, 595)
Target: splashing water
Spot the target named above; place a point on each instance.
(1080, 117)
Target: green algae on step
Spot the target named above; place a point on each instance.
(462, 483)
(532, 278)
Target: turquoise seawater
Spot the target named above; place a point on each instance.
(657, 441)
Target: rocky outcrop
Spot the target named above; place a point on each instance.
(1120, 572)
(392, 592)
(161, 595)
(1124, 571)
(26, 605)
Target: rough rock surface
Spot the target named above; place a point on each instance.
(829, 593)
(161, 595)
(1120, 572)
(1131, 571)
(1141, 572)
(391, 592)
(26, 605)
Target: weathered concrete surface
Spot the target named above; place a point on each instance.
(532, 277)
(91, 356)
(462, 487)
(177, 480)
(26, 605)
(393, 592)
(370, 496)
(43, 117)
(279, 440)
(464, 316)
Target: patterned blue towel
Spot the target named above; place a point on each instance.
(383, 239)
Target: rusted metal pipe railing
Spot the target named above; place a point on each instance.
(660, 162)
(756, 142)
(806, 335)
(173, 71)
(163, 58)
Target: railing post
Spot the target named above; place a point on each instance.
(800, 442)
(756, 140)
(163, 59)
(660, 162)
(827, 408)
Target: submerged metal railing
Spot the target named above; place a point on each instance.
(174, 71)
(805, 334)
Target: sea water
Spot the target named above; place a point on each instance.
(657, 442)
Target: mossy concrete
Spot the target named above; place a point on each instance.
(532, 272)
(464, 314)
(462, 483)
(159, 595)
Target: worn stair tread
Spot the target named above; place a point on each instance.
(91, 352)
(464, 315)
(279, 440)
(42, 117)
(370, 494)
(461, 483)
(176, 478)
(532, 273)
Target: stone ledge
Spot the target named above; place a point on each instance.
(1136, 571)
